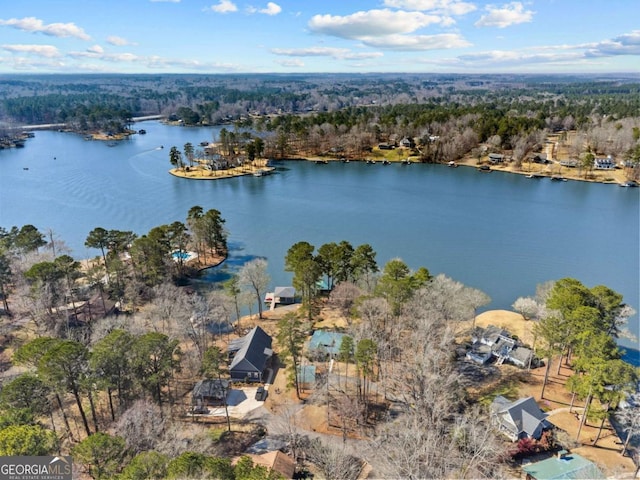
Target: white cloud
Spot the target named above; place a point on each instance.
(224, 6)
(626, 44)
(272, 9)
(119, 41)
(450, 7)
(166, 1)
(418, 42)
(96, 49)
(372, 23)
(505, 16)
(32, 24)
(337, 53)
(47, 51)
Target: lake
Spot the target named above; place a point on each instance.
(501, 233)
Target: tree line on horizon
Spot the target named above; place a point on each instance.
(448, 116)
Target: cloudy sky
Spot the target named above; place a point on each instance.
(237, 36)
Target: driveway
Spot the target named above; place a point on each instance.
(240, 402)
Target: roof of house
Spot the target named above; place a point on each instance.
(570, 466)
(287, 292)
(211, 388)
(327, 341)
(524, 413)
(277, 461)
(491, 334)
(253, 352)
(521, 354)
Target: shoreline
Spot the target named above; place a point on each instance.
(206, 261)
(553, 171)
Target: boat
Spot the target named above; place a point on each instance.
(557, 178)
(25, 168)
(142, 131)
(406, 162)
(630, 183)
(484, 168)
(386, 162)
(322, 162)
(258, 173)
(452, 164)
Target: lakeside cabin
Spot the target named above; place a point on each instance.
(496, 343)
(281, 295)
(604, 163)
(496, 158)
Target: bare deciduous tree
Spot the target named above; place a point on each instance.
(253, 275)
(141, 426)
(333, 461)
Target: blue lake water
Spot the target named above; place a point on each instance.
(501, 233)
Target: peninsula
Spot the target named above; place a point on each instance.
(202, 171)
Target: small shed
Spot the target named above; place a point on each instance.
(306, 375)
(496, 158)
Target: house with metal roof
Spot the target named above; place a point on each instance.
(520, 419)
(250, 356)
(323, 341)
(564, 465)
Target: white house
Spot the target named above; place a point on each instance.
(604, 163)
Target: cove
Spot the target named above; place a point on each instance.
(501, 233)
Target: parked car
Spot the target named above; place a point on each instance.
(261, 394)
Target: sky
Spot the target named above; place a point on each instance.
(355, 36)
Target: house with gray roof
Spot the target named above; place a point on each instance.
(281, 295)
(210, 392)
(520, 419)
(495, 342)
(250, 356)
